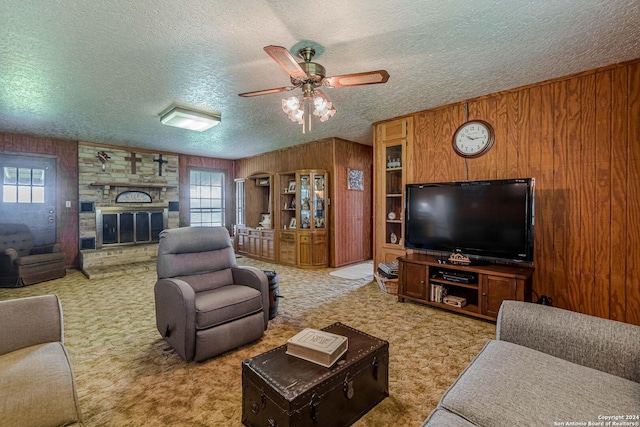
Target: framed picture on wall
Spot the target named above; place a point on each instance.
(292, 187)
(355, 179)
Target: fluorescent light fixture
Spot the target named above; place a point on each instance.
(189, 119)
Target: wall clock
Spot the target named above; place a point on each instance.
(473, 139)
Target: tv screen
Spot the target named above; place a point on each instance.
(484, 220)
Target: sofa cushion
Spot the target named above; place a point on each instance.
(41, 259)
(209, 280)
(508, 385)
(572, 336)
(37, 387)
(16, 236)
(443, 418)
(224, 304)
(188, 251)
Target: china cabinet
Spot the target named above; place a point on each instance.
(303, 218)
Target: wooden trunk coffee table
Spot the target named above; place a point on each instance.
(279, 390)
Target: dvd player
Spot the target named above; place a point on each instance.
(458, 276)
(456, 279)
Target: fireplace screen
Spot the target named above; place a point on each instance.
(129, 227)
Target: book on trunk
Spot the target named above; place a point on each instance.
(323, 348)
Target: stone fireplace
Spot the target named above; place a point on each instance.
(127, 198)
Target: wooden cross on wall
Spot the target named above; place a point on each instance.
(133, 159)
(160, 163)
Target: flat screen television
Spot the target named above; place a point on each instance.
(487, 221)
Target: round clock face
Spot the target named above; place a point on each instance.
(473, 139)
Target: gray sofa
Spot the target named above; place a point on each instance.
(37, 387)
(546, 366)
(22, 263)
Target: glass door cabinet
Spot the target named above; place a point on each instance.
(304, 218)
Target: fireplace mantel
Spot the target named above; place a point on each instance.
(131, 184)
(107, 186)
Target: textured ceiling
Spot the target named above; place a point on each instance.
(103, 71)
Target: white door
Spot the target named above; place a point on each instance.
(28, 194)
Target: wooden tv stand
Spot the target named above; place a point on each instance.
(484, 287)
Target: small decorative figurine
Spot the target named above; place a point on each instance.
(104, 157)
(305, 204)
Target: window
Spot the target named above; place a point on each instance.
(22, 185)
(206, 198)
(240, 201)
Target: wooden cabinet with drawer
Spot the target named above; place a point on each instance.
(312, 249)
(287, 244)
(479, 290)
(256, 243)
(267, 245)
(243, 240)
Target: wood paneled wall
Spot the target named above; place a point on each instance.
(188, 162)
(354, 207)
(314, 155)
(350, 227)
(66, 154)
(579, 137)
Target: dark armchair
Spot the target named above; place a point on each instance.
(22, 263)
(205, 303)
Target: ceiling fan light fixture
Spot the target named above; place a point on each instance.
(320, 104)
(190, 119)
(297, 117)
(327, 115)
(290, 105)
(323, 108)
(301, 111)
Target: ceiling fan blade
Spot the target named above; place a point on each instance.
(268, 91)
(285, 60)
(357, 79)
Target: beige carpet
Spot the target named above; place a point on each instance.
(128, 376)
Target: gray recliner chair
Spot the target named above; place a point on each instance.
(205, 303)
